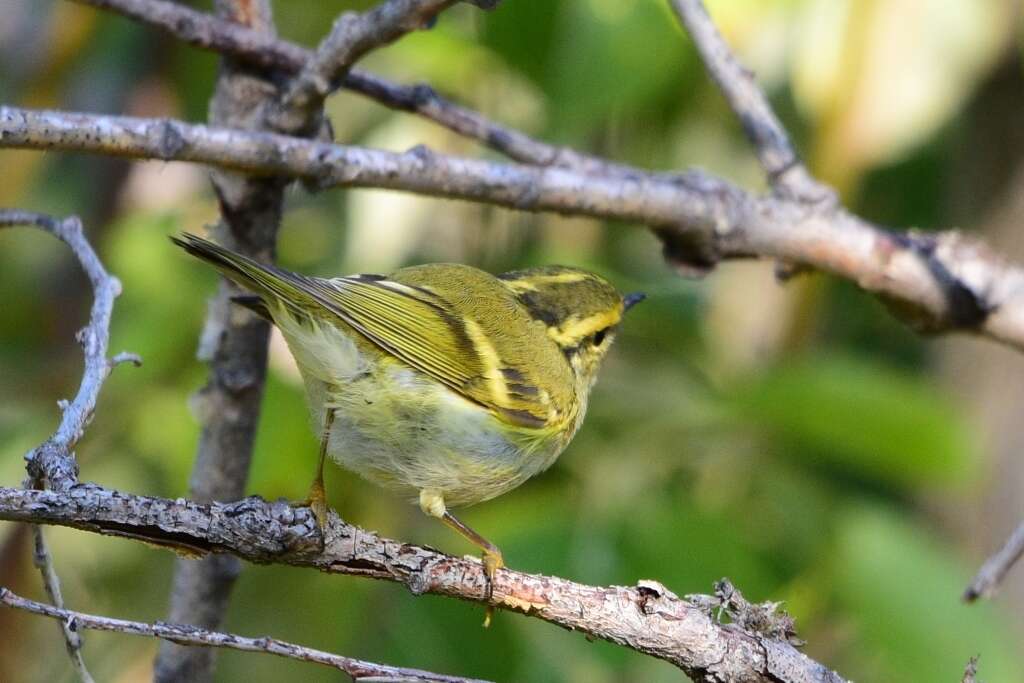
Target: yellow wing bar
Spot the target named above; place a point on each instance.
(419, 328)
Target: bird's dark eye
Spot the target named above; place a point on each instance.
(599, 337)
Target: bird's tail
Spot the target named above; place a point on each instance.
(274, 286)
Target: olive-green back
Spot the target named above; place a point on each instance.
(459, 325)
(532, 383)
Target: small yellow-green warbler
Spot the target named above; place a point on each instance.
(442, 382)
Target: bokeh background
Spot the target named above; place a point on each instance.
(793, 438)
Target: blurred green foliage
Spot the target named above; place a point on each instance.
(797, 441)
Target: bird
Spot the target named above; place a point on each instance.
(440, 382)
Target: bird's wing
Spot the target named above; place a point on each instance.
(421, 329)
(412, 323)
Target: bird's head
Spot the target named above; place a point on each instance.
(580, 310)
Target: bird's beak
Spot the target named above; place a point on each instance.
(631, 300)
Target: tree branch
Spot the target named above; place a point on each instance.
(971, 671)
(791, 179)
(353, 35)
(647, 617)
(47, 464)
(779, 159)
(183, 634)
(52, 463)
(235, 346)
(936, 282)
(991, 574)
(208, 32)
(43, 561)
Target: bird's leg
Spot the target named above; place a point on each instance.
(317, 499)
(432, 504)
(492, 557)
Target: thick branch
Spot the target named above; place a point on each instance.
(208, 32)
(645, 198)
(647, 617)
(183, 634)
(935, 281)
(235, 346)
(778, 158)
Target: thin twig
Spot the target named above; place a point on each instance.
(425, 101)
(183, 634)
(991, 574)
(971, 671)
(774, 150)
(53, 463)
(208, 32)
(934, 281)
(94, 337)
(353, 35)
(646, 617)
(72, 639)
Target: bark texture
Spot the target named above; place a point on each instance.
(234, 344)
(647, 617)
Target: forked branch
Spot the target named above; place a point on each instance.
(936, 282)
(764, 130)
(352, 36)
(52, 463)
(77, 414)
(790, 178)
(211, 33)
(646, 617)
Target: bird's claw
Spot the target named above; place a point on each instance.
(493, 561)
(316, 501)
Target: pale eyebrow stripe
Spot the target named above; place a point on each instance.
(572, 331)
(530, 282)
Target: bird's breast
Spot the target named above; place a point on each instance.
(405, 431)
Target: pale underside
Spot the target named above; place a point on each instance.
(404, 431)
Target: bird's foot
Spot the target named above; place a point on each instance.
(316, 501)
(493, 561)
